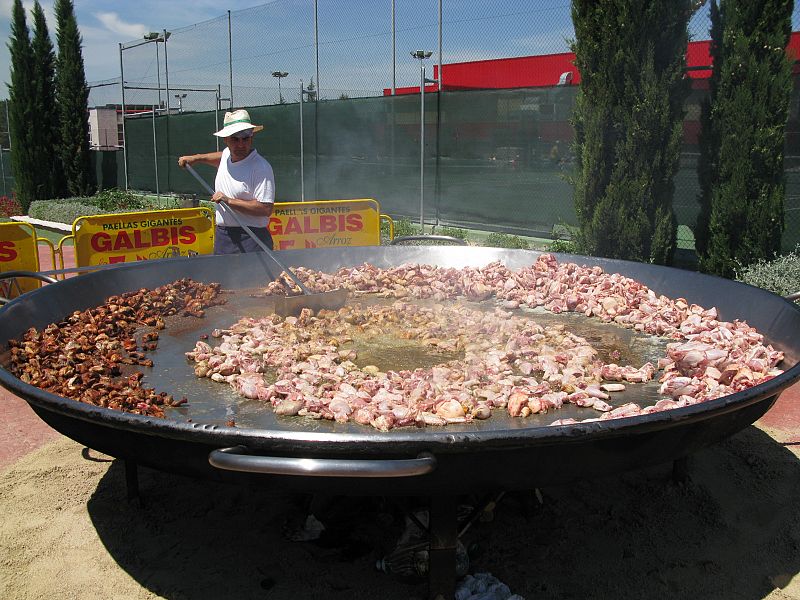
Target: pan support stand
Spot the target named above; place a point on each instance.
(132, 481)
(443, 530)
(680, 469)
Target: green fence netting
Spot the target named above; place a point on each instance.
(494, 159)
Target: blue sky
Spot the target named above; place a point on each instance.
(355, 42)
(106, 23)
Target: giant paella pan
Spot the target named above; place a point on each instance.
(221, 436)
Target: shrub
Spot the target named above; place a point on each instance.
(401, 228)
(455, 232)
(405, 227)
(61, 211)
(780, 275)
(565, 246)
(505, 240)
(9, 206)
(115, 200)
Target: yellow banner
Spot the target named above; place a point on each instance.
(18, 252)
(128, 237)
(325, 223)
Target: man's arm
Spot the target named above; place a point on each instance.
(248, 207)
(212, 159)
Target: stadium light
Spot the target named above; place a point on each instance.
(280, 75)
(179, 98)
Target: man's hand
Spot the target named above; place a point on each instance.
(185, 160)
(220, 197)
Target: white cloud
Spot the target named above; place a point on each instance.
(116, 25)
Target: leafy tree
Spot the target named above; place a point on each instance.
(22, 108)
(72, 95)
(45, 128)
(628, 124)
(744, 124)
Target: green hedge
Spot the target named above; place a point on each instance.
(62, 211)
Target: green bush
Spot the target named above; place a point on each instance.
(455, 232)
(780, 275)
(565, 246)
(61, 211)
(116, 200)
(405, 227)
(401, 228)
(505, 240)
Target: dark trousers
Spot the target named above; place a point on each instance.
(235, 240)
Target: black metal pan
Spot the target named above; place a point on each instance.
(408, 460)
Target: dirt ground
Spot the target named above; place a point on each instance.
(730, 531)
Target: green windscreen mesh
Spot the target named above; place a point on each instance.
(494, 159)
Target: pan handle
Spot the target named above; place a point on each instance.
(236, 458)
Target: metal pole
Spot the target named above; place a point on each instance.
(421, 145)
(166, 68)
(440, 46)
(158, 74)
(3, 166)
(155, 152)
(302, 175)
(124, 139)
(230, 57)
(8, 127)
(166, 83)
(216, 113)
(316, 52)
(394, 58)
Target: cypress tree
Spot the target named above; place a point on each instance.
(72, 95)
(741, 171)
(22, 108)
(45, 128)
(628, 123)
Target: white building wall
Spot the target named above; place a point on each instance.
(104, 128)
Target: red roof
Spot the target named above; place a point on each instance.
(545, 70)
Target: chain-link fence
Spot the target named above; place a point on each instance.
(350, 48)
(494, 159)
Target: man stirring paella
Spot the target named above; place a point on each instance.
(245, 183)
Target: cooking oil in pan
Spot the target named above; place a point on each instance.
(387, 352)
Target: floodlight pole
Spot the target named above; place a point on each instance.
(164, 37)
(421, 55)
(422, 146)
(155, 153)
(216, 112)
(158, 74)
(124, 140)
(310, 93)
(179, 98)
(280, 75)
(302, 175)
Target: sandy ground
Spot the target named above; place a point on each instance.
(731, 531)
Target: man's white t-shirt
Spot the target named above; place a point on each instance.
(249, 179)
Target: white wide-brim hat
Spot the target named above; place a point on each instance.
(237, 121)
